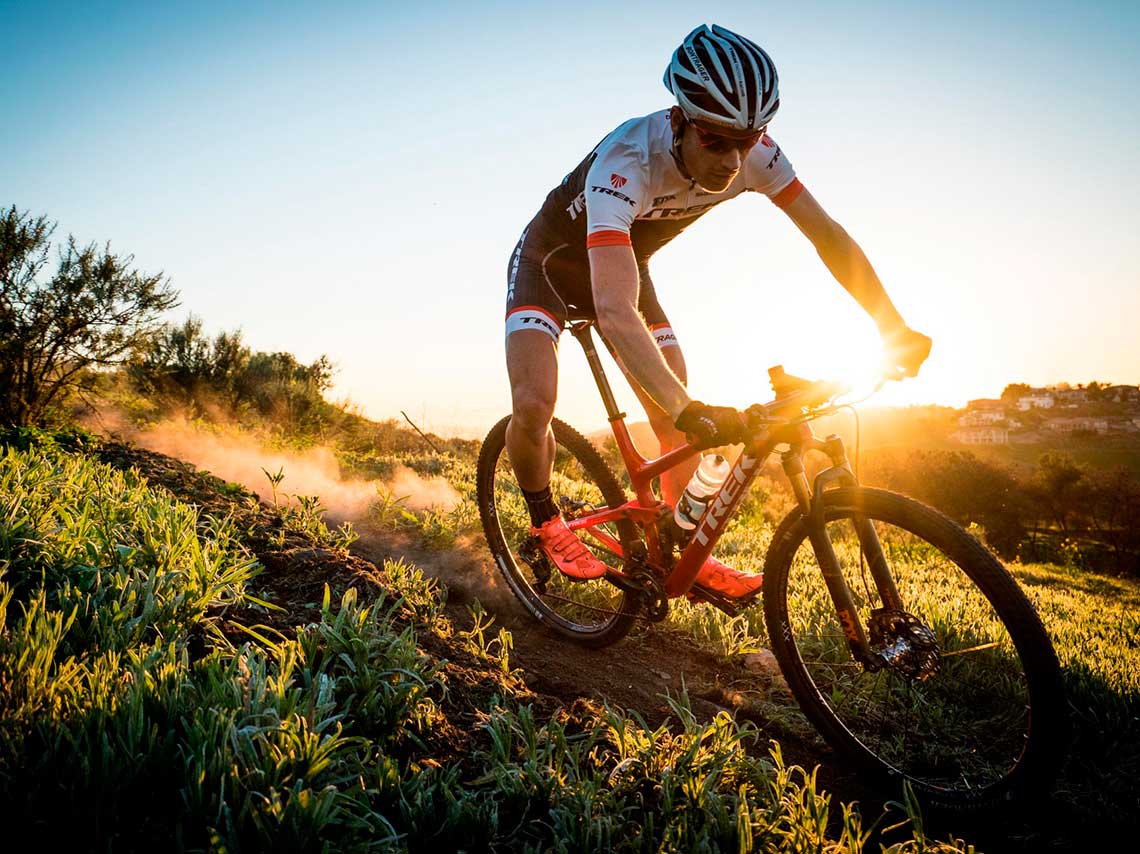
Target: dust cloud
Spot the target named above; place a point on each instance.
(237, 458)
(241, 459)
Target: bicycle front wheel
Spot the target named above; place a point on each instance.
(970, 708)
(594, 613)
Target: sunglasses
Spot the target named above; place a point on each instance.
(718, 143)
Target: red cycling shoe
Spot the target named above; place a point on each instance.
(728, 582)
(567, 552)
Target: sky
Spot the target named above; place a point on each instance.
(349, 179)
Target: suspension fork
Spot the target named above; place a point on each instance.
(810, 500)
(870, 547)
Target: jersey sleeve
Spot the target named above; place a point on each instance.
(616, 187)
(768, 170)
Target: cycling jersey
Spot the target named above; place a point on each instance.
(628, 191)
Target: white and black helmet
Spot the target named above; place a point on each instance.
(724, 79)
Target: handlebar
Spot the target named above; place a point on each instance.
(797, 395)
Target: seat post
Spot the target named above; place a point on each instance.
(580, 329)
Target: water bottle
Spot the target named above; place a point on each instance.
(702, 486)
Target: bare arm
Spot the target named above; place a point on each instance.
(846, 261)
(613, 274)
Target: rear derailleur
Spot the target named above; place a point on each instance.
(531, 552)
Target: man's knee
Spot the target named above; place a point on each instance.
(533, 409)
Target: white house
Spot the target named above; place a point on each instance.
(982, 436)
(1040, 399)
(1070, 425)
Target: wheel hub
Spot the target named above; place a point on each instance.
(904, 643)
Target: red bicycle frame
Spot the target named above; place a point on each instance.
(646, 508)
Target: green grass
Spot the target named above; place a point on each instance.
(1093, 621)
(130, 717)
(1095, 625)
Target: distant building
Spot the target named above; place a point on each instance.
(1122, 393)
(1072, 425)
(1124, 424)
(985, 404)
(978, 417)
(982, 436)
(1039, 399)
(1071, 398)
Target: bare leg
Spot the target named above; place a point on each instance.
(532, 365)
(673, 481)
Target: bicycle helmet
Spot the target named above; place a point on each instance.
(724, 80)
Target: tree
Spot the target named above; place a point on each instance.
(180, 364)
(1057, 487)
(89, 314)
(1013, 391)
(281, 388)
(967, 489)
(1114, 513)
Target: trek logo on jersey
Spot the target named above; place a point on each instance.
(596, 189)
(660, 200)
(577, 206)
(617, 180)
(679, 213)
(766, 141)
(775, 157)
(515, 266)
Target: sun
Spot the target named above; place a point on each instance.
(853, 360)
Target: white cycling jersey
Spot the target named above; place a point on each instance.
(632, 178)
(627, 191)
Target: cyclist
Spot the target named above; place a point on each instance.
(585, 255)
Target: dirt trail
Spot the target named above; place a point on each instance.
(640, 672)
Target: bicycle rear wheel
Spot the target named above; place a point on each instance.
(593, 613)
(986, 722)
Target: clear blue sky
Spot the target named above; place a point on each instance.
(350, 178)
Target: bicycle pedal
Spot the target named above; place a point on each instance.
(730, 606)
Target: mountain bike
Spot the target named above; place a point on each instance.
(906, 643)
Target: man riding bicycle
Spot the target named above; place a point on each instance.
(585, 254)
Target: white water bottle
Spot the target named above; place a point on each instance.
(702, 486)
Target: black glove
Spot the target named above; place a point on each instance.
(906, 350)
(711, 425)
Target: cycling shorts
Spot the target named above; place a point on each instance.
(549, 284)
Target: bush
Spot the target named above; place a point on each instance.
(89, 315)
(184, 371)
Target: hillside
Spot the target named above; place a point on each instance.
(497, 712)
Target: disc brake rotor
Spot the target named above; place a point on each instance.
(904, 643)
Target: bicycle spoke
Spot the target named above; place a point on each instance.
(593, 611)
(959, 727)
(978, 648)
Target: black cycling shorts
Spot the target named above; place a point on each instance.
(548, 283)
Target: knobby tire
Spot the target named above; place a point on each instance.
(990, 727)
(593, 613)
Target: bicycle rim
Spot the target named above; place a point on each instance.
(594, 612)
(982, 727)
